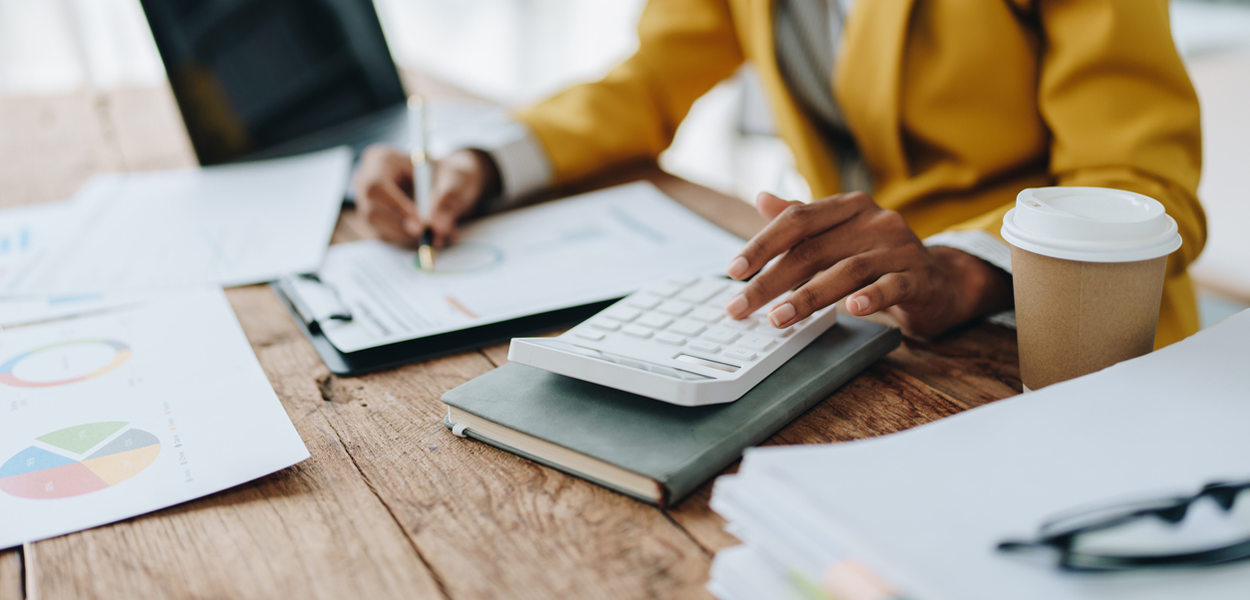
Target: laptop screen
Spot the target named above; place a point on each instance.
(250, 75)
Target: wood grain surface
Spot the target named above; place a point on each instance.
(391, 505)
(11, 575)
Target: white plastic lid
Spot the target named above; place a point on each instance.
(1090, 224)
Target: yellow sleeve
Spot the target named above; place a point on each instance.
(1121, 110)
(685, 48)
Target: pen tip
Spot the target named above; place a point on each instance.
(425, 256)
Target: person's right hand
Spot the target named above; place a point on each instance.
(384, 193)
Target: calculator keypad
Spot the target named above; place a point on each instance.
(687, 314)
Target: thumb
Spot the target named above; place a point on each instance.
(770, 205)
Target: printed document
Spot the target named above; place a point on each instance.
(113, 415)
(230, 225)
(555, 255)
(29, 234)
(25, 310)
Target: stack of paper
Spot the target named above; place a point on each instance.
(926, 508)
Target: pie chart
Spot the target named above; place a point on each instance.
(64, 363)
(79, 460)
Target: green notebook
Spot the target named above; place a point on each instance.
(651, 450)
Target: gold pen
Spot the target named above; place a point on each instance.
(422, 178)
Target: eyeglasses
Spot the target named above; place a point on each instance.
(1150, 533)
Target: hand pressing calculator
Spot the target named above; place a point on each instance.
(672, 341)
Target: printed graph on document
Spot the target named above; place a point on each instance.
(79, 460)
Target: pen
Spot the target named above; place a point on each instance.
(422, 178)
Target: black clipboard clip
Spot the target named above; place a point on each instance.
(313, 300)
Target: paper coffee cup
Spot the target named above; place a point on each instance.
(1088, 266)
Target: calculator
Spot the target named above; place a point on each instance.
(672, 341)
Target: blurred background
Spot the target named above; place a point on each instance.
(517, 51)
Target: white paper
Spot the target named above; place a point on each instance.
(926, 507)
(555, 255)
(230, 225)
(114, 415)
(29, 234)
(25, 310)
(740, 573)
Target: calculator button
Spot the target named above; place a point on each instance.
(705, 346)
(743, 325)
(688, 328)
(606, 324)
(676, 308)
(707, 315)
(655, 321)
(644, 301)
(663, 290)
(703, 291)
(683, 280)
(637, 331)
(670, 339)
(721, 299)
(739, 354)
(757, 342)
(773, 331)
(589, 334)
(721, 335)
(622, 313)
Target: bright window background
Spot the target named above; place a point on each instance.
(511, 51)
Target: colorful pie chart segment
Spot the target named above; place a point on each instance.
(40, 474)
(64, 363)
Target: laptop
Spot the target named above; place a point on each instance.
(261, 79)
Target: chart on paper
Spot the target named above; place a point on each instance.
(79, 460)
(565, 253)
(130, 409)
(62, 363)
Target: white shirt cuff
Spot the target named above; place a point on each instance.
(524, 167)
(985, 247)
(977, 243)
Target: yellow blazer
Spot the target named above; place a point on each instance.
(956, 107)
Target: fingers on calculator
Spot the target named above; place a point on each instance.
(672, 341)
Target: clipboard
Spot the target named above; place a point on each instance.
(380, 358)
(372, 306)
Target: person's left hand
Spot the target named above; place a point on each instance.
(846, 244)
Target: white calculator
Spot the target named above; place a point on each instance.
(672, 341)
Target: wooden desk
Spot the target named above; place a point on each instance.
(391, 505)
